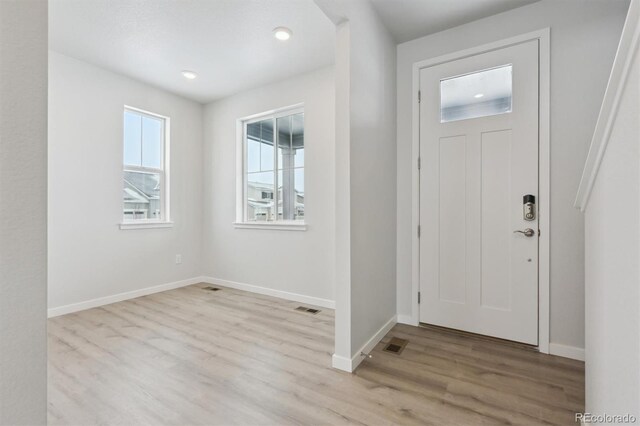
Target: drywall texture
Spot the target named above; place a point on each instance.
(612, 269)
(366, 164)
(584, 37)
(342, 247)
(23, 212)
(372, 174)
(89, 255)
(298, 262)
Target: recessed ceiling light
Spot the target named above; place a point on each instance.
(479, 95)
(189, 74)
(282, 33)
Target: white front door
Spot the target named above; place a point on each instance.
(479, 159)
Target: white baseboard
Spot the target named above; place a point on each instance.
(325, 303)
(349, 365)
(566, 351)
(101, 301)
(341, 363)
(407, 319)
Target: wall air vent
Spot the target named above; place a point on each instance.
(396, 345)
(308, 310)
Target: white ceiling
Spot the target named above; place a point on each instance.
(410, 19)
(229, 43)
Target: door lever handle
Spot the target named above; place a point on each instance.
(527, 232)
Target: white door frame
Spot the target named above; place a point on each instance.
(543, 36)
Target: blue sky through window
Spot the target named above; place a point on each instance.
(142, 140)
(151, 142)
(132, 138)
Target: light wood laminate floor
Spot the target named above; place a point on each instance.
(192, 356)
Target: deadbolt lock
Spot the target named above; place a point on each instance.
(529, 207)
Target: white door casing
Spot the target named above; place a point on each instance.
(476, 274)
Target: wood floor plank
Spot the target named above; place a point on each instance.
(191, 356)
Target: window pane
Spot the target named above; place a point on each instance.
(299, 157)
(253, 156)
(266, 155)
(280, 196)
(290, 155)
(266, 146)
(291, 141)
(291, 194)
(132, 139)
(260, 196)
(284, 141)
(152, 142)
(298, 139)
(141, 195)
(299, 194)
(261, 133)
(480, 94)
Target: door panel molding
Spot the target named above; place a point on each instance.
(543, 36)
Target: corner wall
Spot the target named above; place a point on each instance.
(366, 179)
(90, 257)
(372, 176)
(584, 37)
(23, 212)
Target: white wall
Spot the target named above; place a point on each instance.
(299, 262)
(366, 173)
(342, 247)
(89, 256)
(584, 36)
(23, 212)
(613, 265)
(372, 175)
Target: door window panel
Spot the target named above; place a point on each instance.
(480, 94)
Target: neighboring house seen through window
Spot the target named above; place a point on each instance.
(144, 177)
(274, 177)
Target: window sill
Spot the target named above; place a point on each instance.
(274, 226)
(145, 225)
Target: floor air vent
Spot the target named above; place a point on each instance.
(211, 288)
(308, 310)
(396, 345)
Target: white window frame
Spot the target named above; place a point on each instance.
(241, 165)
(165, 210)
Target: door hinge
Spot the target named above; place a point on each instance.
(418, 231)
(419, 96)
(419, 162)
(418, 297)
